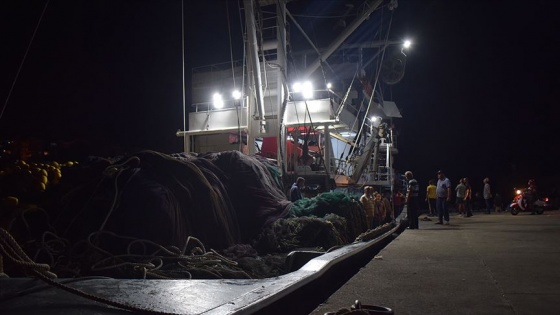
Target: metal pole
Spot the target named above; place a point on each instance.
(254, 58)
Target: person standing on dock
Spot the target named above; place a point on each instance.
(468, 197)
(460, 190)
(367, 201)
(487, 195)
(379, 211)
(443, 192)
(412, 204)
(431, 197)
(295, 191)
(389, 211)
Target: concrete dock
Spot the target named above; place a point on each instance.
(485, 264)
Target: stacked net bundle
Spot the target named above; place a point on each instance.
(137, 216)
(255, 192)
(150, 195)
(222, 199)
(124, 212)
(328, 220)
(289, 234)
(336, 203)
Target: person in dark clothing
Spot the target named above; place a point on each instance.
(412, 204)
(295, 191)
(487, 195)
(398, 201)
(530, 194)
(468, 197)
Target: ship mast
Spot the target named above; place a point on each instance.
(370, 7)
(276, 119)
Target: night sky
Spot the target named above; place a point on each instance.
(479, 97)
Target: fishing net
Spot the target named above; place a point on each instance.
(336, 203)
(214, 215)
(255, 265)
(327, 220)
(255, 192)
(289, 234)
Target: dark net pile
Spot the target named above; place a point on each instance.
(154, 215)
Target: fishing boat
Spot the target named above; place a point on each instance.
(327, 121)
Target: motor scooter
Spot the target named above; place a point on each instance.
(520, 203)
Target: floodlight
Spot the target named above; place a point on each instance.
(217, 100)
(375, 121)
(236, 94)
(307, 90)
(407, 44)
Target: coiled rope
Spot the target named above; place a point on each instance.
(11, 249)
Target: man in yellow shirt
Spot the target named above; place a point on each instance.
(431, 196)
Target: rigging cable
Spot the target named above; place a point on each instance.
(266, 89)
(244, 48)
(183, 75)
(308, 130)
(243, 68)
(337, 117)
(233, 77)
(376, 80)
(307, 112)
(23, 60)
(230, 45)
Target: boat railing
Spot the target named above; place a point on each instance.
(315, 95)
(228, 104)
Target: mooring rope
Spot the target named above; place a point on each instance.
(11, 249)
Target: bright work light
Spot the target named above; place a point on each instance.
(217, 100)
(236, 94)
(407, 44)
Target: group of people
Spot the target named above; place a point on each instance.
(439, 195)
(377, 207)
(443, 192)
(379, 210)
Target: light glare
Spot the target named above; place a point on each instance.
(218, 101)
(236, 94)
(407, 44)
(307, 90)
